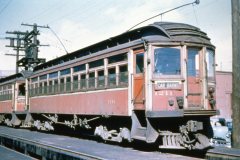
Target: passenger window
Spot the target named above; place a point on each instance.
(68, 84)
(83, 81)
(91, 80)
(56, 89)
(62, 85)
(139, 62)
(117, 58)
(79, 68)
(45, 88)
(40, 88)
(101, 79)
(75, 82)
(123, 75)
(97, 63)
(111, 77)
(65, 72)
(50, 83)
(167, 61)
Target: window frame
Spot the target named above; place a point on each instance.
(158, 76)
(214, 62)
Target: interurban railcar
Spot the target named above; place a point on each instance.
(155, 84)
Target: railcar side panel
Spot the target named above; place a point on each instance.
(6, 106)
(112, 102)
(20, 104)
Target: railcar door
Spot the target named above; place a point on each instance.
(194, 78)
(19, 97)
(138, 80)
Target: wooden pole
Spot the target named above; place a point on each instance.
(236, 73)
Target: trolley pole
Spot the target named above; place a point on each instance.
(236, 72)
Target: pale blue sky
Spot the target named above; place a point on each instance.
(83, 22)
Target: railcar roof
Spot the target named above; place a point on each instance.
(156, 32)
(10, 78)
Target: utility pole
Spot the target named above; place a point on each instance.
(236, 72)
(15, 43)
(31, 44)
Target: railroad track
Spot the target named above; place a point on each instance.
(44, 151)
(56, 147)
(223, 153)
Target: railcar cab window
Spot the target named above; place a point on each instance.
(210, 64)
(167, 61)
(193, 62)
(139, 63)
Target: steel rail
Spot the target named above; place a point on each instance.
(64, 151)
(223, 153)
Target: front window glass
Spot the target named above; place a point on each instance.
(210, 63)
(167, 61)
(193, 62)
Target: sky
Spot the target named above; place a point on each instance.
(79, 23)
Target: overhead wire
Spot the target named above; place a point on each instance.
(196, 1)
(1, 11)
(48, 9)
(73, 11)
(93, 22)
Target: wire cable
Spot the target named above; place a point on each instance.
(196, 1)
(58, 39)
(5, 6)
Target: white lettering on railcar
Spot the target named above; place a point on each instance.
(163, 93)
(111, 101)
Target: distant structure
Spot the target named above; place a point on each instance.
(224, 93)
(5, 73)
(27, 42)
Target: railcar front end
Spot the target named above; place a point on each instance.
(174, 93)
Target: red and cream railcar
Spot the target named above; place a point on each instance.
(12, 98)
(155, 84)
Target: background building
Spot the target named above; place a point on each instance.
(224, 93)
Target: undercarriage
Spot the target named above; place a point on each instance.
(169, 133)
